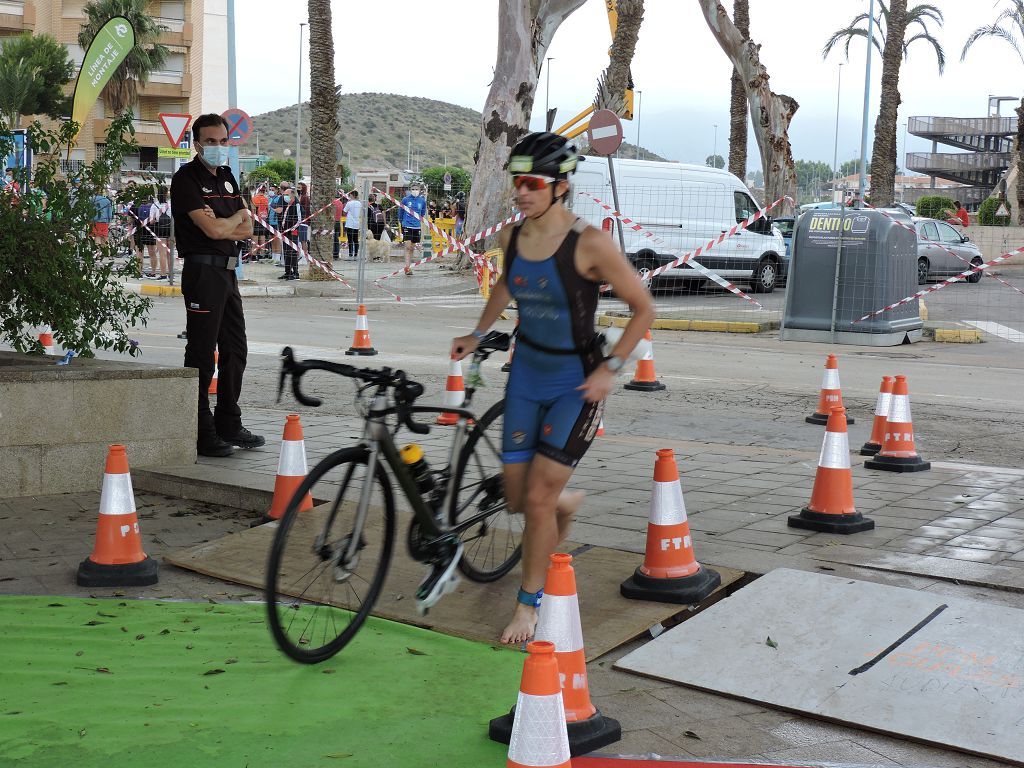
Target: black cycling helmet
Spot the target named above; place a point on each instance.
(544, 154)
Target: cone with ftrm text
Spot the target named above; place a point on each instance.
(454, 393)
(46, 339)
(361, 340)
(874, 443)
(216, 370)
(117, 559)
(539, 738)
(831, 508)
(559, 622)
(899, 454)
(645, 379)
(291, 470)
(831, 394)
(670, 573)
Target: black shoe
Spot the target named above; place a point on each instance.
(243, 438)
(285, 276)
(212, 445)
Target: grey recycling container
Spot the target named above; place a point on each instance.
(845, 264)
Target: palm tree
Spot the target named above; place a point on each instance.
(323, 106)
(616, 79)
(738, 99)
(892, 25)
(1008, 27)
(122, 91)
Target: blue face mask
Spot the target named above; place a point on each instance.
(215, 156)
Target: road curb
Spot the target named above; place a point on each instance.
(677, 324)
(250, 291)
(957, 336)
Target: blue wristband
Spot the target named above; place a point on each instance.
(530, 598)
(478, 335)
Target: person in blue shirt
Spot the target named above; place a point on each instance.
(411, 225)
(274, 199)
(101, 221)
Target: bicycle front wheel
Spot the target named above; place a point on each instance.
(325, 571)
(492, 535)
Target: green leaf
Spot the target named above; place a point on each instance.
(771, 643)
(415, 652)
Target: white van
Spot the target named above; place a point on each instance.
(685, 206)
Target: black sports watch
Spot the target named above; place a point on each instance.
(614, 363)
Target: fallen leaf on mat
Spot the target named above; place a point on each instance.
(79, 653)
(339, 755)
(94, 623)
(231, 661)
(771, 643)
(55, 605)
(62, 682)
(139, 637)
(81, 734)
(691, 735)
(414, 652)
(328, 671)
(104, 670)
(189, 647)
(213, 672)
(106, 615)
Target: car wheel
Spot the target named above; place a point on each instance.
(975, 277)
(766, 275)
(649, 263)
(922, 271)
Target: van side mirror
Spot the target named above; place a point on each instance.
(964, 239)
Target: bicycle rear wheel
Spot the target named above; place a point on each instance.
(317, 596)
(491, 544)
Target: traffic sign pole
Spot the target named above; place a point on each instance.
(604, 133)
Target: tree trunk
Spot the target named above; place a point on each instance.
(883, 153)
(771, 112)
(323, 107)
(611, 92)
(525, 29)
(1019, 158)
(738, 99)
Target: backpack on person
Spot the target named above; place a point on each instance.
(163, 222)
(143, 211)
(378, 215)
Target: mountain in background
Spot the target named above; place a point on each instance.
(376, 129)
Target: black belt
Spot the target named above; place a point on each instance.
(211, 260)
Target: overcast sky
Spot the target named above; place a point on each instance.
(446, 51)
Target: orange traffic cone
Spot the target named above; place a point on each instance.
(454, 393)
(539, 738)
(831, 508)
(46, 339)
(600, 428)
(874, 443)
(213, 381)
(559, 622)
(361, 341)
(670, 573)
(645, 380)
(898, 452)
(117, 559)
(291, 470)
(831, 394)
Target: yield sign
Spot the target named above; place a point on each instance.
(175, 126)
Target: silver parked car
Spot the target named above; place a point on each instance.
(934, 260)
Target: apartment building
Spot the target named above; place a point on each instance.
(194, 79)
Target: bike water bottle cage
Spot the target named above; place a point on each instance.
(531, 599)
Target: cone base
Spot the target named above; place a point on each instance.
(140, 574)
(584, 735)
(822, 419)
(898, 464)
(686, 590)
(365, 351)
(810, 520)
(870, 449)
(644, 386)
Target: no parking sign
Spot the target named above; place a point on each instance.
(240, 126)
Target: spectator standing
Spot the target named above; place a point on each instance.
(375, 220)
(353, 212)
(147, 237)
(102, 218)
(961, 215)
(260, 207)
(131, 213)
(274, 201)
(339, 211)
(160, 223)
(288, 216)
(304, 211)
(460, 213)
(411, 221)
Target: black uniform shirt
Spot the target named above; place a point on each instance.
(193, 187)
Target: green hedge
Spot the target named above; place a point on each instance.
(932, 206)
(987, 213)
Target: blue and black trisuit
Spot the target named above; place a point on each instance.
(557, 349)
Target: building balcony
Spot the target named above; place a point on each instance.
(179, 31)
(17, 16)
(166, 84)
(148, 133)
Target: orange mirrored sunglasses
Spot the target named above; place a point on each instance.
(531, 182)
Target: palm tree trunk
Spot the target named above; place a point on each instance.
(323, 105)
(772, 112)
(738, 100)
(883, 153)
(1019, 157)
(611, 92)
(525, 29)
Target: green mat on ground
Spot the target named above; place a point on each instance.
(153, 683)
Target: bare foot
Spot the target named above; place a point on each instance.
(569, 503)
(520, 629)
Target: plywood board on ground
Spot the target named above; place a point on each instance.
(913, 664)
(474, 611)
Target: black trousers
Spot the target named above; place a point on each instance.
(291, 260)
(352, 235)
(337, 238)
(214, 318)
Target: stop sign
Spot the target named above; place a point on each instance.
(604, 132)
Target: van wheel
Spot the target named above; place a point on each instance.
(649, 263)
(976, 277)
(766, 275)
(922, 271)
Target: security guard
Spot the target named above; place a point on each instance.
(209, 219)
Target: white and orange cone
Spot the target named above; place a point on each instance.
(539, 738)
(216, 370)
(361, 340)
(291, 470)
(874, 443)
(831, 508)
(670, 573)
(600, 428)
(558, 621)
(117, 559)
(46, 339)
(454, 393)
(831, 394)
(899, 453)
(645, 379)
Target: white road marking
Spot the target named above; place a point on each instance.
(1002, 331)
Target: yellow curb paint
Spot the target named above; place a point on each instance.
(954, 336)
(160, 290)
(671, 324)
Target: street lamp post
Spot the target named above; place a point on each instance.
(547, 94)
(298, 114)
(862, 183)
(835, 151)
(714, 151)
(638, 95)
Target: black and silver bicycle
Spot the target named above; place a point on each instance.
(327, 564)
